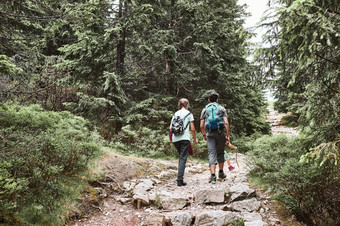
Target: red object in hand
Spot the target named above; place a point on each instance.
(191, 151)
(170, 135)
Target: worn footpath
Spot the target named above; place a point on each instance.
(138, 191)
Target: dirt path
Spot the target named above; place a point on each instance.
(112, 211)
(140, 191)
(274, 118)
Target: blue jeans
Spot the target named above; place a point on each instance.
(182, 147)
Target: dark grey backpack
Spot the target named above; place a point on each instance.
(177, 125)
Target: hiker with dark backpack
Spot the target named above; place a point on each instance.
(215, 129)
(180, 136)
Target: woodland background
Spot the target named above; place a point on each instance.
(77, 75)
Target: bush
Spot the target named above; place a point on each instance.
(143, 142)
(42, 154)
(290, 120)
(147, 142)
(245, 143)
(308, 189)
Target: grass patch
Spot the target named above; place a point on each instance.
(270, 104)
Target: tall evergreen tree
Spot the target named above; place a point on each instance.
(106, 59)
(305, 57)
(185, 48)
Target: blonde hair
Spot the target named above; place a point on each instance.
(183, 102)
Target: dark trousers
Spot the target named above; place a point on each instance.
(182, 147)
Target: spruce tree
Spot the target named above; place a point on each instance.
(305, 59)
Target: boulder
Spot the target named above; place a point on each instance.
(163, 174)
(180, 219)
(144, 184)
(216, 218)
(209, 196)
(240, 179)
(248, 205)
(255, 223)
(173, 203)
(241, 191)
(155, 220)
(249, 217)
(141, 195)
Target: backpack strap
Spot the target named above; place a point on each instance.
(184, 120)
(218, 107)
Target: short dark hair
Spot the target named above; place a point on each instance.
(213, 97)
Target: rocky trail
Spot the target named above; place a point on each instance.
(140, 191)
(274, 118)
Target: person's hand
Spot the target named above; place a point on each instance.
(205, 137)
(227, 140)
(194, 143)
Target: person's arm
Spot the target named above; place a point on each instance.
(193, 131)
(202, 126)
(225, 119)
(171, 123)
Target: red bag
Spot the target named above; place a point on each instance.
(191, 151)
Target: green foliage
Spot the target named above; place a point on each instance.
(6, 65)
(152, 112)
(290, 120)
(307, 189)
(244, 144)
(303, 59)
(185, 48)
(144, 142)
(147, 142)
(42, 155)
(130, 64)
(327, 153)
(238, 222)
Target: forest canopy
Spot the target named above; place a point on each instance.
(128, 62)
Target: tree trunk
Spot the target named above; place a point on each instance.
(121, 43)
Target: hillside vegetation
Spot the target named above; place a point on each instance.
(76, 75)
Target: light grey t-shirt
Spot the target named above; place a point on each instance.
(186, 135)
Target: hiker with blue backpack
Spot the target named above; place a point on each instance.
(180, 136)
(215, 129)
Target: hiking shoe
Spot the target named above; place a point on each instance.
(221, 176)
(212, 179)
(181, 183)
(231, 168)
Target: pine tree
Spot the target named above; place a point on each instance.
(305, 57)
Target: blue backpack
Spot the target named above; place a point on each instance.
(214, 117)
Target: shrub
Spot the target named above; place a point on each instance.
(152, 143)
(245, 143)
(143, 142)
(42, 154)
(308, 189)
(290, 120)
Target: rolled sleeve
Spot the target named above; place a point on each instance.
(224, 112)
(203, 114)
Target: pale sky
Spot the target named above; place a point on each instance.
(256, 8)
